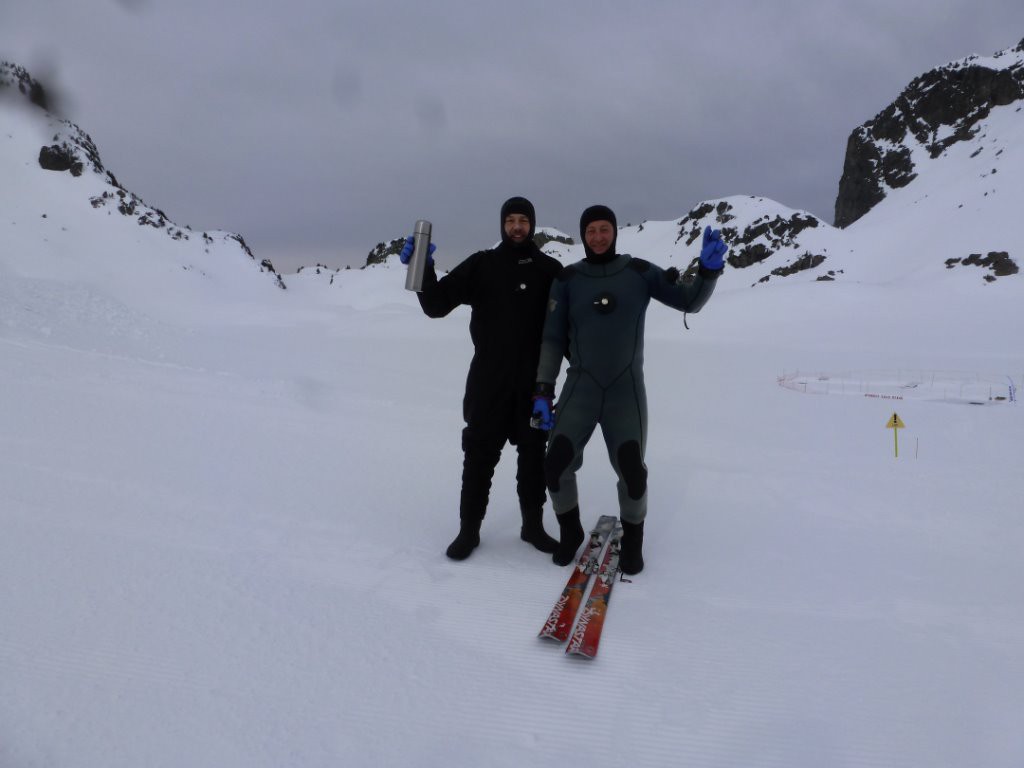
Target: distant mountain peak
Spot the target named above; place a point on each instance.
(936, 110)
(70, 149)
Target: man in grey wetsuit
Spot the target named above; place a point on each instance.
(595, 317)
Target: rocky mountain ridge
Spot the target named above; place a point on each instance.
(70, 149)
(936, 110)
(929, 158)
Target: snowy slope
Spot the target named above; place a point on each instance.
(80, 225)
(225, 506)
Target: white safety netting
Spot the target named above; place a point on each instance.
(940, 386)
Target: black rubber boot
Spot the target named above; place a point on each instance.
(533, 530)
(631, 556)
(570, 534)
(467, 540)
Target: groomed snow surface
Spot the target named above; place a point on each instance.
(224, 532)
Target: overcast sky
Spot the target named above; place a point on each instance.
(318, 128)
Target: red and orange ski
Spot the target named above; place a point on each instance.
(560, 620)
(587, 634)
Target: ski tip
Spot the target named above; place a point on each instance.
(581, 653)
(552, 636)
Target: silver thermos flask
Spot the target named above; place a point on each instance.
(418, 262)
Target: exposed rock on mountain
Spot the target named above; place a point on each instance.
(998, 264)
(935, 111)
(70, 149)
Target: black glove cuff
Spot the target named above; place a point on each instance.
(543, 389)
(710, 274)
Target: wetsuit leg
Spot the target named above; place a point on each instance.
(578, 411)
(624, 426)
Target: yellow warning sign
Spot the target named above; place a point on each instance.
(895, 422)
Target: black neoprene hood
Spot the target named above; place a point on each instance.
(518, 205)
(588, 217)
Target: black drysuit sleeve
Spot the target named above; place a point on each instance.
(439, 297)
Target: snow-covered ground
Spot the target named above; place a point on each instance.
(224, 507)
(224, 543)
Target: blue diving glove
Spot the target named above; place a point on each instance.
(407, 249)
(543, 416)
(712, 252)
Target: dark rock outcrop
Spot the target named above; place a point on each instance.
(751, 243)
(935, 111)
(998, 264)
(381, 251)
(60, 157)
(804, 262)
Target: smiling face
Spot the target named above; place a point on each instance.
(599, 236)
(517, 227)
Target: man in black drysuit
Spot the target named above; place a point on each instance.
(507, 288)
(596, 318)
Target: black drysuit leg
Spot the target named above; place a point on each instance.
(481, 452)
(530, 445)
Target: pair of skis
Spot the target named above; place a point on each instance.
(597, 559)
